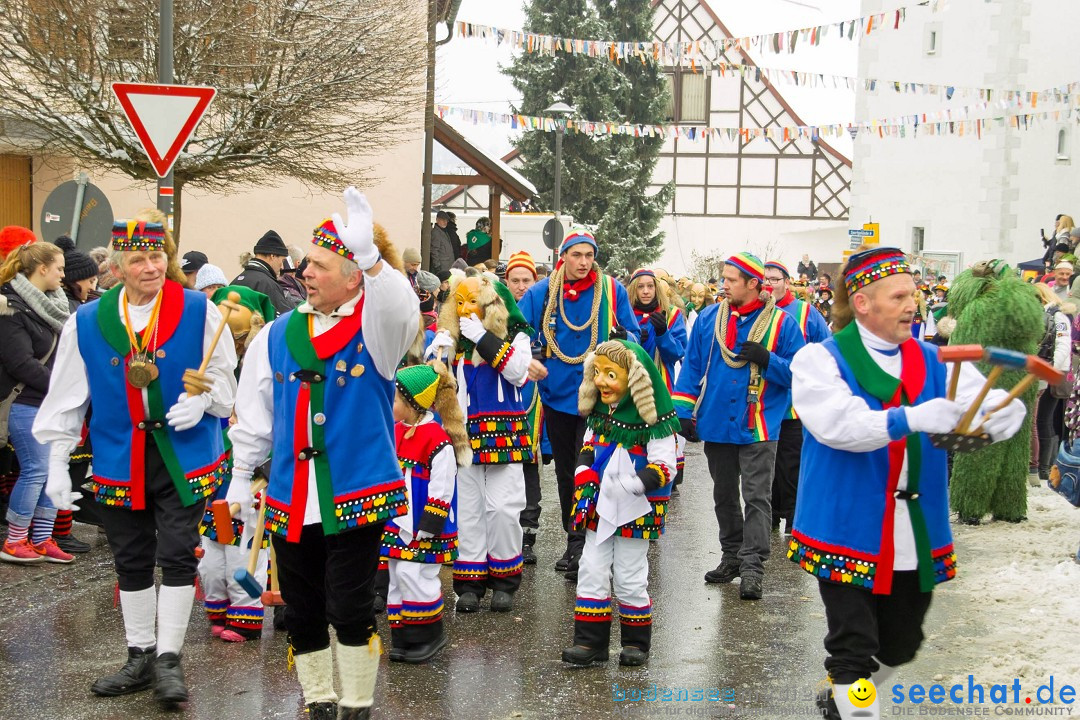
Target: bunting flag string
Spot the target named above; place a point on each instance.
(934, 124)
(689, 53)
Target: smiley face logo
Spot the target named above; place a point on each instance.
(861, 693)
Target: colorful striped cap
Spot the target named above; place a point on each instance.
(326, 236)
(871, 265)
(777, 265)
(575, 236)
(417, 384)
(521, 259)
(749, 263)
(137, 236)
(643, 272)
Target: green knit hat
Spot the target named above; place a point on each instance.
(417, 384)
(253, 300)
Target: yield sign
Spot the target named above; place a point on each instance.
(163, 117)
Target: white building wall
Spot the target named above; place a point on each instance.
(984, 198)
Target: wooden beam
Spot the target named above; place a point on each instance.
(459, 180)
(495, 212)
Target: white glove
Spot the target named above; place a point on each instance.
(632, 484)
(936, 416)
(188, 411)
(1005, 423)
(359, 234)
(240, 493)
(424, 535)
(58, 484)
(472, 328)
(442, 340)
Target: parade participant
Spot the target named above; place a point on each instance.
(735, 382)
(789, 443)
(520, 276)
(488, 339)
(699, 298)
(130, 353)
(872, 522)
(585, 306)
(317, 391)
(824, 304)
(622, 486)
(234, 615)
(417, 544)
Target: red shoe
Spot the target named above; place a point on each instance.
(216, 629)
(20, 552)
(229, 635)
(51, 552)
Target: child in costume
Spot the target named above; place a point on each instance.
(418, 543)
(234, 615)
(623, 484)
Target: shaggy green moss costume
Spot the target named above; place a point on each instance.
(993, 307)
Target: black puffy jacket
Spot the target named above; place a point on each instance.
(26, 339)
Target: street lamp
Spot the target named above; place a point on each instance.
(560, 111)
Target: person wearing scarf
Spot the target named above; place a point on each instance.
(735, 383)
(573, 310)
(872, 522)
(33, 308)
(789, 443)
(316, 397)
(157, 447)
(484, 336)
(622, 486)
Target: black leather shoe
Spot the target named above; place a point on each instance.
(416, 654)
(396, 654)
(71, 544)
(827, 705)
(354, 713)
(467, 603)
(380, 604)
(580, 655)
(501, 601)
(750, 587)
(562, 562)
(571, 576)
(322, 711)
(632, 656)
(528, 557)
(169, 687)
(725, 572)
(136, 675)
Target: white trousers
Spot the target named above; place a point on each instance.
(624, 558)
(490, 501)
(216, 568)
(415, 592)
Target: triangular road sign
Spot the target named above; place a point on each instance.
(163, 117)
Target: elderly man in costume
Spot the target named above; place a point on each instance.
(789, 444)
(623, 484)
(488, 339)
(872, 523)
(735, 383)
(573, 311)
(157, 448)
(317, 393)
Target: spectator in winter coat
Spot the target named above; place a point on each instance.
(807, 268)
(442, 255)
(261, 272)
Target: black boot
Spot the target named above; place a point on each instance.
(423, 643)
(354, 713)
(562, 562)
(467, 602)
(322, 711)
(724, 573)
(169, 687)
(502, 601)
(528, 555)
(633, 656)
(826, 705)
(136, 675)
(1047, 453)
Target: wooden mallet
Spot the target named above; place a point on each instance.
(957, 354)
(1038, 369)
(1002, 360)
(195, 380)
(245, 578)
(272, 597)
(224, 512)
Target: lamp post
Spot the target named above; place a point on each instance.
(560, 111)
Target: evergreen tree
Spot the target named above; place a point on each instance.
(605, 180)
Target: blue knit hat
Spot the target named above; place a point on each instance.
(576, 236)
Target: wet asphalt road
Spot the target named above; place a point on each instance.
(59, 631)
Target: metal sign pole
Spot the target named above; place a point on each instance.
(76, 214)
(165, 76)
(558, 189)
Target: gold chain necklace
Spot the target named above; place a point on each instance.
(549, 325)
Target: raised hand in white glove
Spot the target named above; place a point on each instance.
(58, 484)
(442, 341)
(424, 535)
(937, 416)
(359, 234)
(472, 328)
(632, 484)
(1004, 423)
(240, 493)
(188, 411)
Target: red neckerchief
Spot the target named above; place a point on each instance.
(736, 313)
(572, 290)
(786, 300)
(434, 318)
